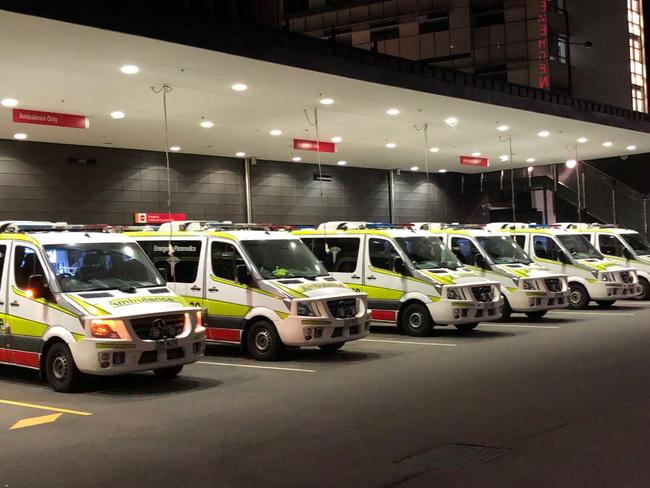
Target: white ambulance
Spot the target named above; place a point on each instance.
(259, 288)
(527, 287)
(591, 276)
(412, 280)
(625, 246)
(75, 301)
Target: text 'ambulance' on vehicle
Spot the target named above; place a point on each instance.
(591, 276)
(527, 287)
(260, 289)
(411, 278)
(75, 301)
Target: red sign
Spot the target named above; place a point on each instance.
(157, 218)
(321, 146)
(50, 118)
(543, 78)
(471, 161)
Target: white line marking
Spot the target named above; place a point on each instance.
(410, 342)
(275, 368)
(522, 326)
(584, 312)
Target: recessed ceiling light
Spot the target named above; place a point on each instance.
(342, 163)
(442, 170)
(9, 102)
(434, 150)
(503, 128)
(240, 154)
(504, 157)
(129, 69)
(451, 121)
(414, 168)
(631, 148)
(530, 169)
(392, 111)
(240, 87)
(336, 139)
(476, 154)
(276, 132)
(175, 148)
(20, 136)
(326, 101)
(391, 145)
(582, 140)
(544, 133)
(117, 114)
(296, 158)
(608, 144)
(530, 160)
(571, 163)
(206, 124)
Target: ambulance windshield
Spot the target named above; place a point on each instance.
(579, 246)
(101, 266)
(638, 244)
(428, 252)
(503, 250)
(284, 258)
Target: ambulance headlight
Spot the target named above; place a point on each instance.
(194, 320)
(529, 285)
(306, 310)
(106, 329)
(606, 277)
(454, 294)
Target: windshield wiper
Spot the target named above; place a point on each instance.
(128, 289)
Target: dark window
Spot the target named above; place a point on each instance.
(295, 6)
(185, 259)
(521, 240)
(495, 72)
(546, 248)
(611, 245)
(384, 34)
(225, 259)
(382, 253)
(3, 252)
(434, 22)
(465, 250)
(486, 14)
(26, 264)
(339, 256)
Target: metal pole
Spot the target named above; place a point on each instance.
(545, 206)
(391, 196)
(614, 205)
(247, 190)
(579, 196)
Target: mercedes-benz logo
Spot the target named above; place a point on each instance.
(158, 329)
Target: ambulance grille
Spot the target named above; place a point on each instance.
(483, 293)
(626, 276)
(553, 284)
(343, 309)
(150, 329)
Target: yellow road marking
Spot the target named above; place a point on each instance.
(45, 407)
(258, 367)
(411, 342)
(34, 421)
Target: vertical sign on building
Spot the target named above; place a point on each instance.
(543, 78)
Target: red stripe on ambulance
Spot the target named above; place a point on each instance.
(386, 315)
(229, 335)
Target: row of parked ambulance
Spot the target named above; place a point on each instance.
(78, 300)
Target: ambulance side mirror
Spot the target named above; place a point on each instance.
(243, 274)
(163, 272)
(399, 266)
(564, 259)
(38, 286)
(627, 254)
(481, 262)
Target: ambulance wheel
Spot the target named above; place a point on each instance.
(416, 320)
(60, 370)
(466, 327)
(645, 289)
(605, 303)
(578, 296)
(536, 315)
(168, 373)
(332, 347)
(263, 342)
(506, 311)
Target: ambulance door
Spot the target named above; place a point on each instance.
(546, 249)
(184, 269)
(382, 281)
(611, 246)
(4, 325)
(341, 256)
(229, 294)
(467, 252)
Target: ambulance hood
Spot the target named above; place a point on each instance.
(446, 276)
(114, 302)
(322, 287)
(520, 270)
(602, 265)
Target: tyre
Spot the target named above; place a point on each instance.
(605, 303)
(578, 296)
(416, 320)
(60, 369)
(263, 342)
(536, 315)
(466, 327)
(168, 373)
(332, 347)
(506, 311)
(645, 289)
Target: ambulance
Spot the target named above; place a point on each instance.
(625, 246)
(412, 280)
(591, 276)
(76, 301)
(527, 287)
(260, 289)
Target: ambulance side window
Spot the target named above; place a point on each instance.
(382, 253)
(465, 250)
(26, 264)
(340, 256)
(521, 240)
(225, 259)
(186, 253)
(546, 248)
(3, 253)
(610, 245)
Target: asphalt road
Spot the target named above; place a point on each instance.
(562, 402)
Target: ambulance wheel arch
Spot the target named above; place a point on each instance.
(414, 317)
(261, 340)
(254, 317)
(54, 335)
(644, 283)
(579, 296)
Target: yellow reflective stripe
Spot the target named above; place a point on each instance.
(77, 337)
(224, 235)
(397, 275)
(293, 293)
(25, 327)
(218, 307)
(114, 345)
(445, 280)
(282, 315)
(19, 237)
(44, 302)
(91, 309)
(239, 285)
(315, 321)
(378, 292)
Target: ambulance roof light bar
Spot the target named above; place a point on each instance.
(24, 227)
(340, 225)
